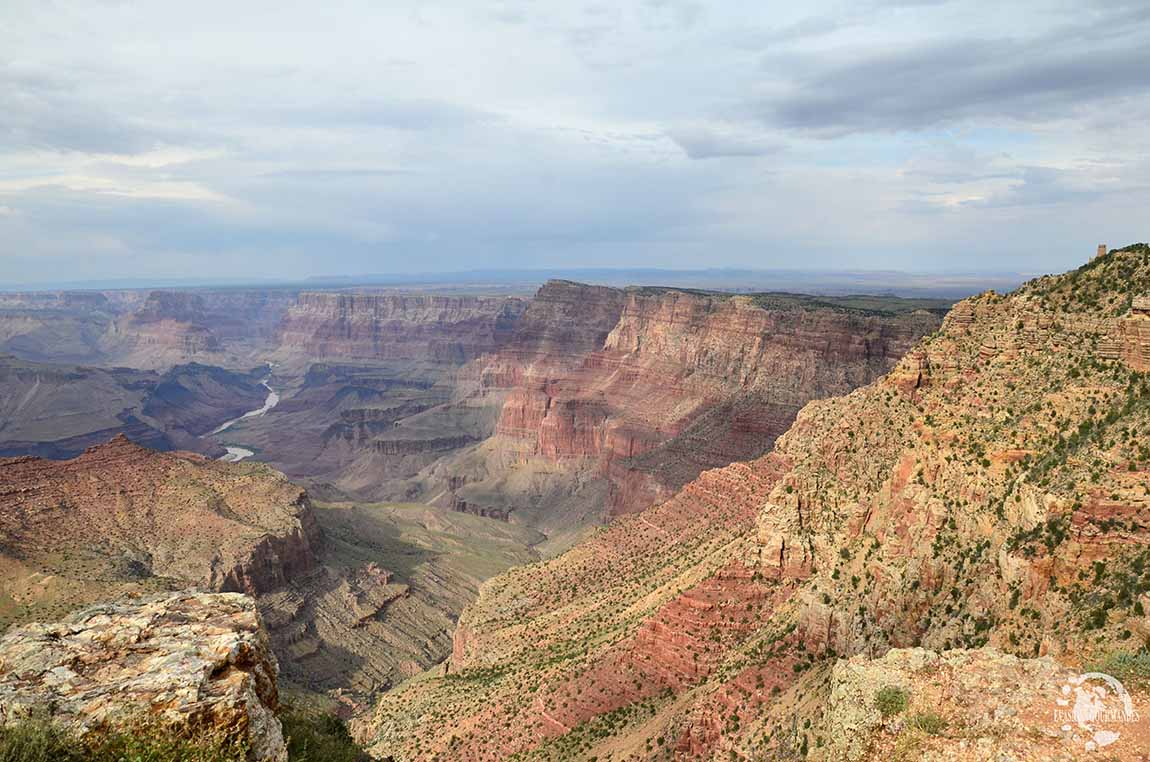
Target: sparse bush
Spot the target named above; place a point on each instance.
(891, 700)
(311, 738)
(1133, 669)
(38, 740)
(928, 722)
(319, 738)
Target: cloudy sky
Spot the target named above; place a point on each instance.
(238, 139)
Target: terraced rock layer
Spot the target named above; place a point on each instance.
(617, 398)
(414, 327)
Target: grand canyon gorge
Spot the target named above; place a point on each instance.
(595, 522)
(527, 381)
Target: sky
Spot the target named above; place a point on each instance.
(173, 139)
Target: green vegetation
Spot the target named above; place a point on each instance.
(37, 740)
(929, 723)
(311, 738)
(891, 700)
(319, 738)
(1132, 669)
(877, 305)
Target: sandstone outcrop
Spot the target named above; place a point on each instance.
(978, 704)
(193, 662)
(1134, 332)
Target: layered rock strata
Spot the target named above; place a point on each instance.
(634, 393)
(410, 327)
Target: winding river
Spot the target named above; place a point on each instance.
(236, 454)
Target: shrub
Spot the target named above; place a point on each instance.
(891, 700)
(38, 740)
(929, 723)
(319, 738)
(1133, 669)
(311, 738)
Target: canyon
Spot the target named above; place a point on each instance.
(985, 502)
(438, 441)
(639, 523)
(553, 412)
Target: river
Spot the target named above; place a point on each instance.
(236, 454)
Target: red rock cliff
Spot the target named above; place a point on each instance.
(648, 387)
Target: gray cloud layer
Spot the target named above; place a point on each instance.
(163, 138)
(940, 84)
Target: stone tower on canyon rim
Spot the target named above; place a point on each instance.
(1101, 250)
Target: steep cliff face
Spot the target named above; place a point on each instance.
(414, 327)
(633, 393)
(991, 490)
(169, 323)
(120, 517)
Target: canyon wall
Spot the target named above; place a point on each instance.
(626, 395)
(407, 327)
(57, 411)
(141, 328)
(230, 327)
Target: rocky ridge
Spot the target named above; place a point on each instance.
(121, 518)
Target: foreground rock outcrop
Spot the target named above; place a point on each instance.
(194, 662)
